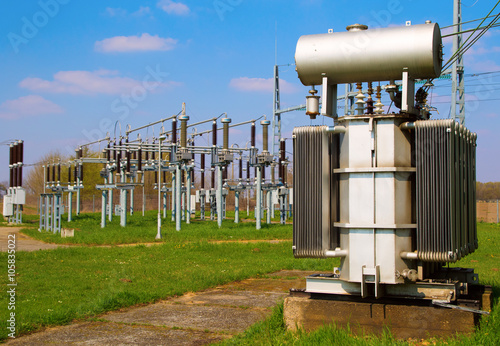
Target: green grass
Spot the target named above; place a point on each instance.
(58, 286)
(143, 230)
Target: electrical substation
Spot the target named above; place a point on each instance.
(125, 161)
(388, 190)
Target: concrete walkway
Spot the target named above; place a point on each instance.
(192, 319)
(23, 242)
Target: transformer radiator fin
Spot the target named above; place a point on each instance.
(313, 232)
(445, 154)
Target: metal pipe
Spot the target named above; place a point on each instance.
(230, 126)
(409, 255)
(336, 129)
(336, 253)
(150, 124)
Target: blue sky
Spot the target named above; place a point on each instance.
(70, 69)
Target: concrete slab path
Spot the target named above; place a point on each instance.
(192, 319)
(23, 242)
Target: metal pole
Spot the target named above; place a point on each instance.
(174, 188)
(70, 206)
(219, 196)
(268, 206)
(103, 208)
(178, 181)
(123, 203)
(110, 198)
(164, 205)
(158, 231)
(78, 197)
(188, 196)
(132, 202)
(248, 201)
(236, 207)
(497, 211)
(93, 203)
(258, 203)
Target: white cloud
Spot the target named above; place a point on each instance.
(142, 11)
(145, 42)
(115, 12)
(172, 7)
(88, 82)
(31, 105)
(261, 85)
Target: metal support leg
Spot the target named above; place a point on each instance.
(258, 195)
(202, 205)
(219, 196)
(110, 197)
(269, 201)
(123, 205)
(236, 207)
(132, 202)
(103, 208)
(78, 197)
(174, 188)
(188, 197)
(70, 206)
(178, 213)
(164, 205)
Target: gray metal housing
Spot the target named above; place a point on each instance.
(370, 55)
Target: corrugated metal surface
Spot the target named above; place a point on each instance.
(445, 154)
(313, 206)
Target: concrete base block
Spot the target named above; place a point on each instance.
(404, 320)
(67, 233)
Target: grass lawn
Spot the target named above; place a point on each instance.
(143, 230)
(57, 286)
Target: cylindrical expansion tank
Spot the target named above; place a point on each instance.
(370, 55)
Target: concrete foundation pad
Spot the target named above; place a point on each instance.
(409, 320)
